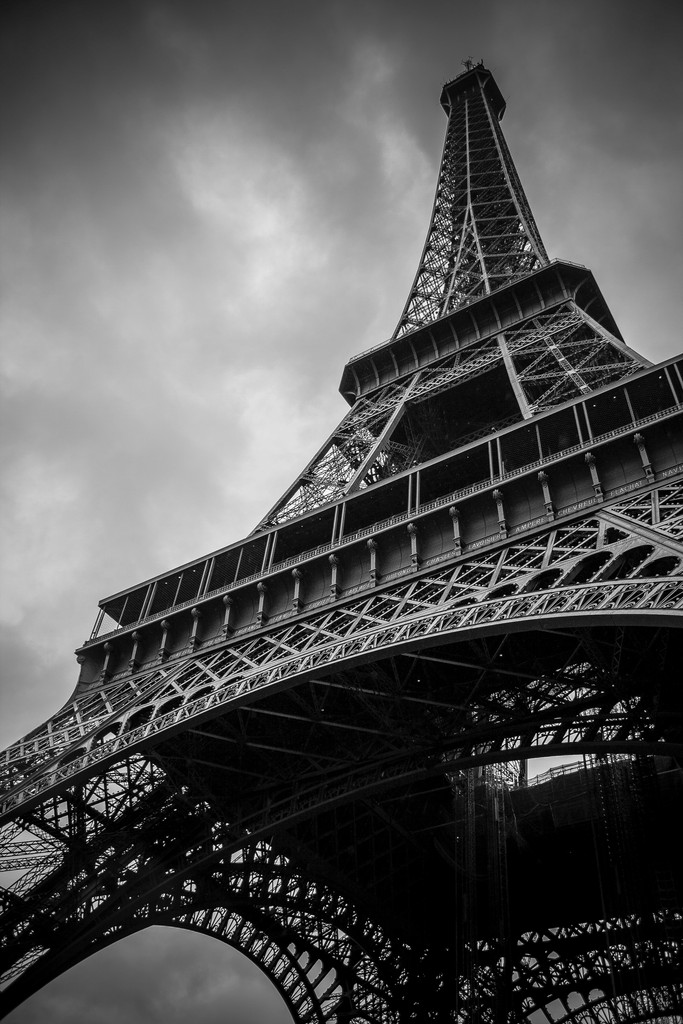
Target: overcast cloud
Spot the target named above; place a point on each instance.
(207, 207)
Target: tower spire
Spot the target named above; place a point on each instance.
(482, 233)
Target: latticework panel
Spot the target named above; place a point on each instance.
(554, 357)
(482, 233)
(336, 465)
(560, 354)
(361, 451)
(592, 565)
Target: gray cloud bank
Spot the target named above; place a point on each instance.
(160, 976)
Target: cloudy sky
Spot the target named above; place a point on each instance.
(207, 207)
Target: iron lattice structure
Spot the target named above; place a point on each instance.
(311, 744)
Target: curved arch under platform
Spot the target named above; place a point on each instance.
(342, 831)
(625, 969)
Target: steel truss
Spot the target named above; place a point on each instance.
(482, 233)
(553, 357)
(340, 791)
(619, 571)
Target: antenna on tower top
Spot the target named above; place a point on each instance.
(468, 63)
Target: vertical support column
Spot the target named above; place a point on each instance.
(502, 525)
(539, 444)
(165, 633)
(590, 462)
(98, 623)
(342, 522)
(492, 468)
(454, 513)
(335, 524)
(547, 500)
(228, 604)
(655, 507)
(630, 406)
(271, 557)
(105, 674)
(177, 591)
(239, 563)
(297, 576)
(587, 420)
(134, 662)
(577, 421)
(673, 374)
(414, 556)
(206, 576)
(334, 582)
(149, 598)
(266, 552)
(639, 441)
(372, 548)
(261, 616)
(194, 634)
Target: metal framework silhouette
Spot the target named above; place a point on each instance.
(312, 744)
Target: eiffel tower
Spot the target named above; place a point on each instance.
(312, 744)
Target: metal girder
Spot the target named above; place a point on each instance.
(436, 602)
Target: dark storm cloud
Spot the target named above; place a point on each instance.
(207, 208)
(186, 196)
